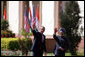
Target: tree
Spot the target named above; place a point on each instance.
(70, 21)
(4, 24)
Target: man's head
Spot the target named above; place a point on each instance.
(62, 31)
(42, 29)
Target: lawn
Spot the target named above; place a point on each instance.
(51, 54)
(19, 53)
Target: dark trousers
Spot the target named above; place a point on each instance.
(60, 54)
(37, 53)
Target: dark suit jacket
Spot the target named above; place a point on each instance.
(61, 41)
(38, 44)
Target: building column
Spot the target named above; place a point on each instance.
(7, 10)
(13, 8)
(40, 12)
(21, 16)
(56, 15)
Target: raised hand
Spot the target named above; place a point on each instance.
(55, 30)
(33, 25)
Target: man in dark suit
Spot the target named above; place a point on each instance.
(62, 43)
(38, 46)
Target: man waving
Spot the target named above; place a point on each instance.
(62, 43)
(38, 46)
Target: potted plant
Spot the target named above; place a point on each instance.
(2, 33)
(13, 35)
(5, 33)
(10, 33)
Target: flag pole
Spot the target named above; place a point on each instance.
(29, 22)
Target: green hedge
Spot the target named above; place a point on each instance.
(16, 43)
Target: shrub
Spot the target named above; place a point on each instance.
(15, 43)
(4, 29)
(4, 24)
(24, 44)
(25, 34)
(5, 42)
(7, 33)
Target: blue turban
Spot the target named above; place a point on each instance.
(62, 30)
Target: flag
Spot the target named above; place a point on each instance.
(4, 13)
(30, 18)
(32, 13)
(33, 16)
(31, 6)
(26, 25)
(37, 18)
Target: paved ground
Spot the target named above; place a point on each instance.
(19, 53)
(14, 53)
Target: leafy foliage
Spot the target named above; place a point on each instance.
(25, 34)
(70, 21)
(15, 44)
(4, 24)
